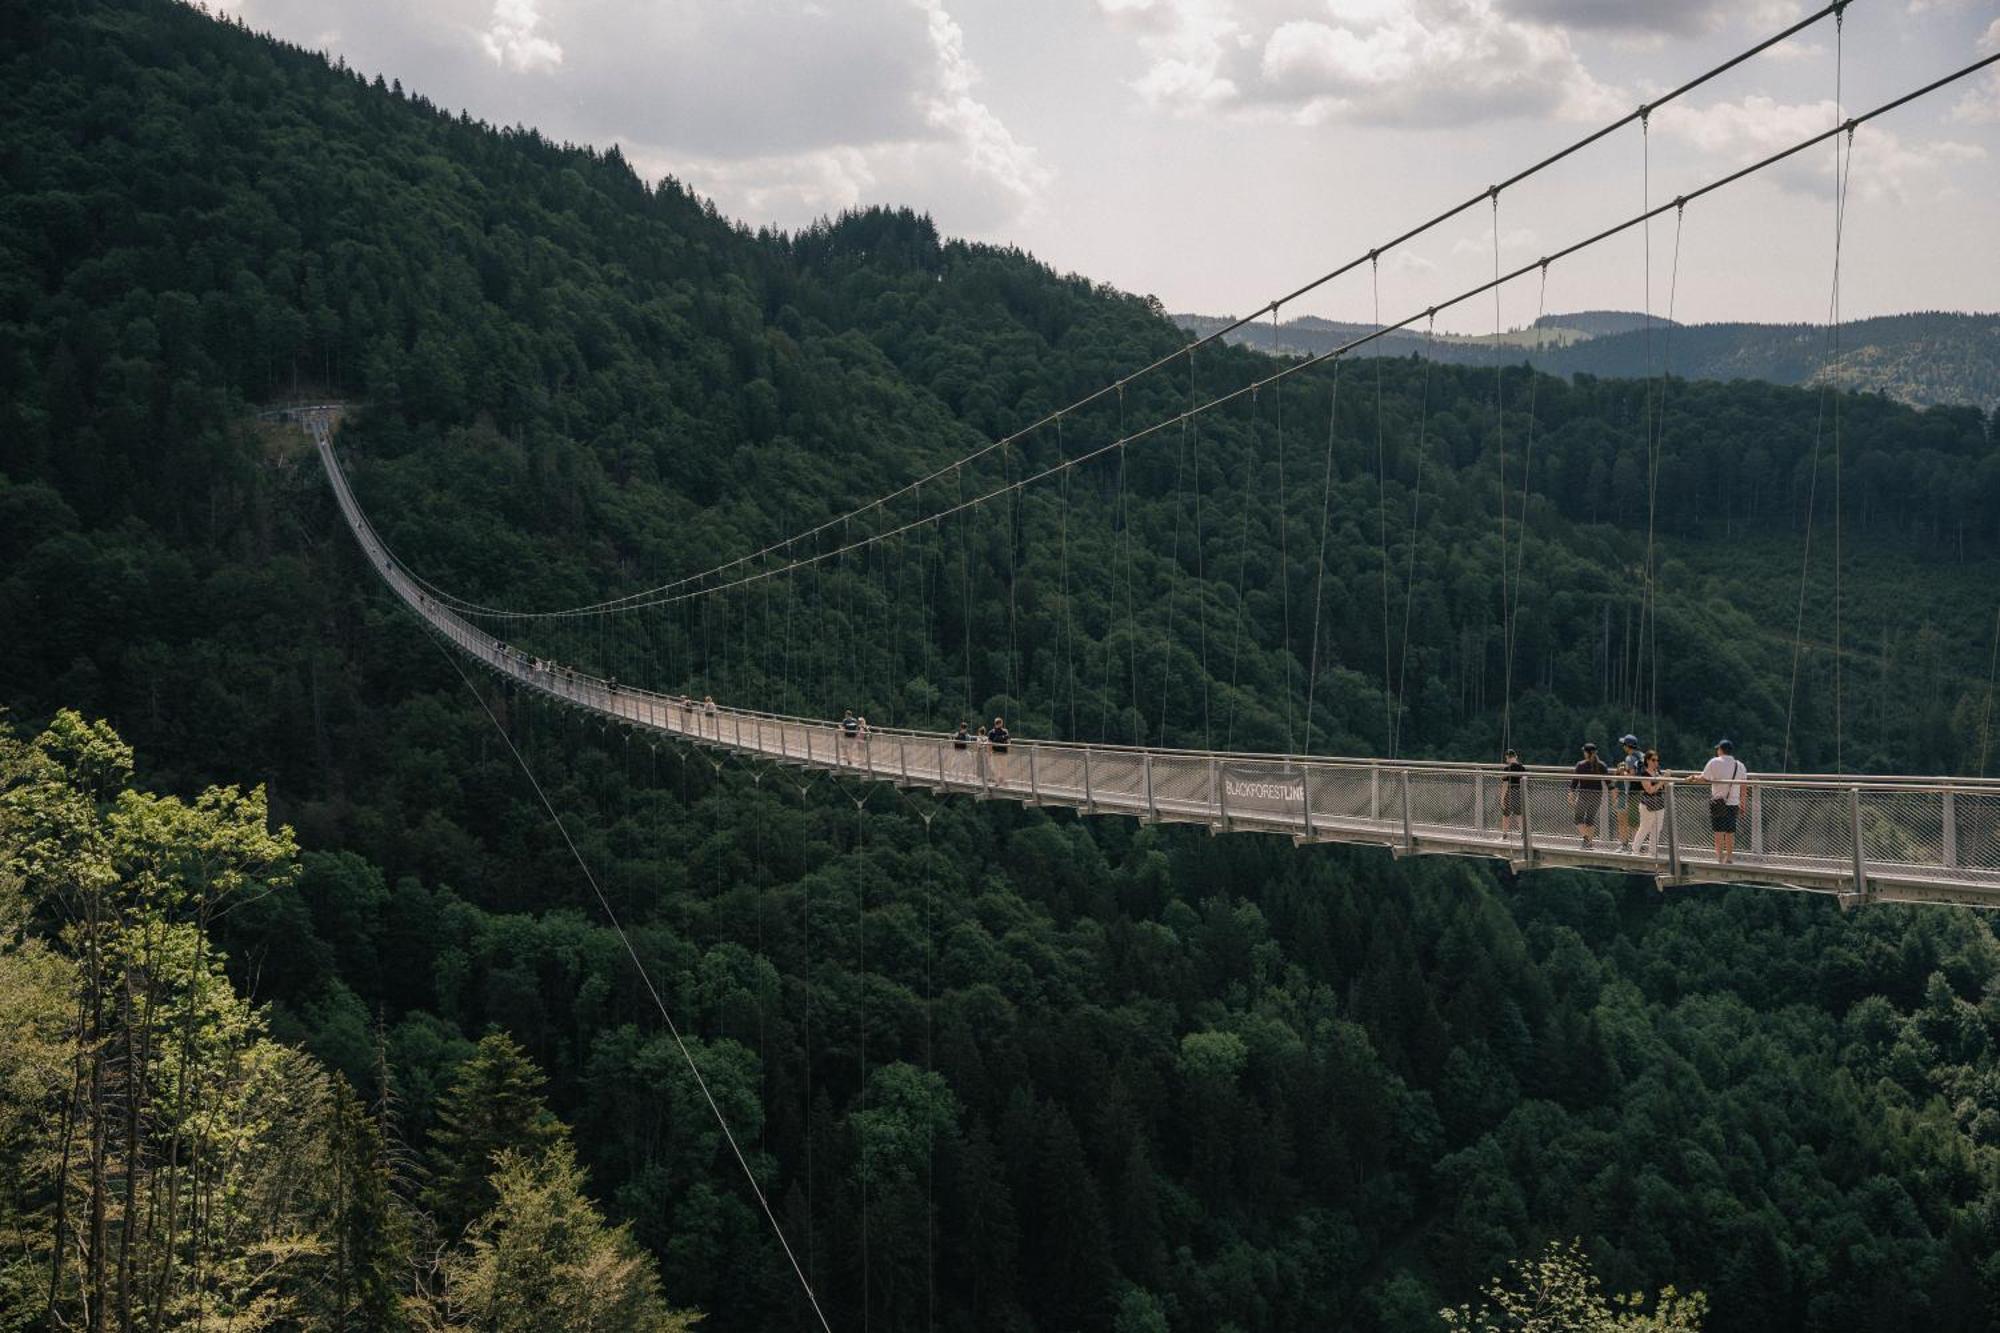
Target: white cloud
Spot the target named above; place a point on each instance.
(1655, 18)
(1797, 49)
(1515, 239)
(511, 41)
(784, 186)
(1980, 105)
(781, 108)
(1388, 62)
(1883, 166)
(989, 146)
(1186, 41)
(934, 145)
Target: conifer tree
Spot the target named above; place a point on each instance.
(369, 1242)
(543, 1259)
(494, 1104)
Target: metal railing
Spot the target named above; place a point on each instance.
(1863, 838)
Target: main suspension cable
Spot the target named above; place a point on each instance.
(1311, 362)
(1833, 8)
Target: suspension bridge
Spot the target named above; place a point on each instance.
(1861, 838)
(1901, 839)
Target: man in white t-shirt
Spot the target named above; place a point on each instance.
(1725, 774)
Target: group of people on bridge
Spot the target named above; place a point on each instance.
(994, 738)
(1639, 789)
(988, 740)
(1636, 784)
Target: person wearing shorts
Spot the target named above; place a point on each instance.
(1724, 774)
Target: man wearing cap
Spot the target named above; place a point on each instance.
(1630, 768)
(1725, 774)
(1586, 792)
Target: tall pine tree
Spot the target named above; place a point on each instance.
(493, 1104)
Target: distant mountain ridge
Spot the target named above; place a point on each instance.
(1925, 358)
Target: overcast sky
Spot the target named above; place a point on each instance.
(1217, 153)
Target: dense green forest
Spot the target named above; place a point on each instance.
(1073, 1074)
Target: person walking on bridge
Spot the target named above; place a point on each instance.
(850, 732)
(1586, 793)
(961, 744)
(1510, 792)
(1725, 774)
(997, 737)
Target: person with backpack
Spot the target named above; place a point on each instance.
(850, 731)
(1630, 766)
(1725, 776)
(1586, 793)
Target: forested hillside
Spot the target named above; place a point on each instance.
(1924, 359)
(1075, 1074)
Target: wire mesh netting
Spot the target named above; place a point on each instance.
(1118, 781)
(1183, 788)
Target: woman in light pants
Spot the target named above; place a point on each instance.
(1652, 805)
